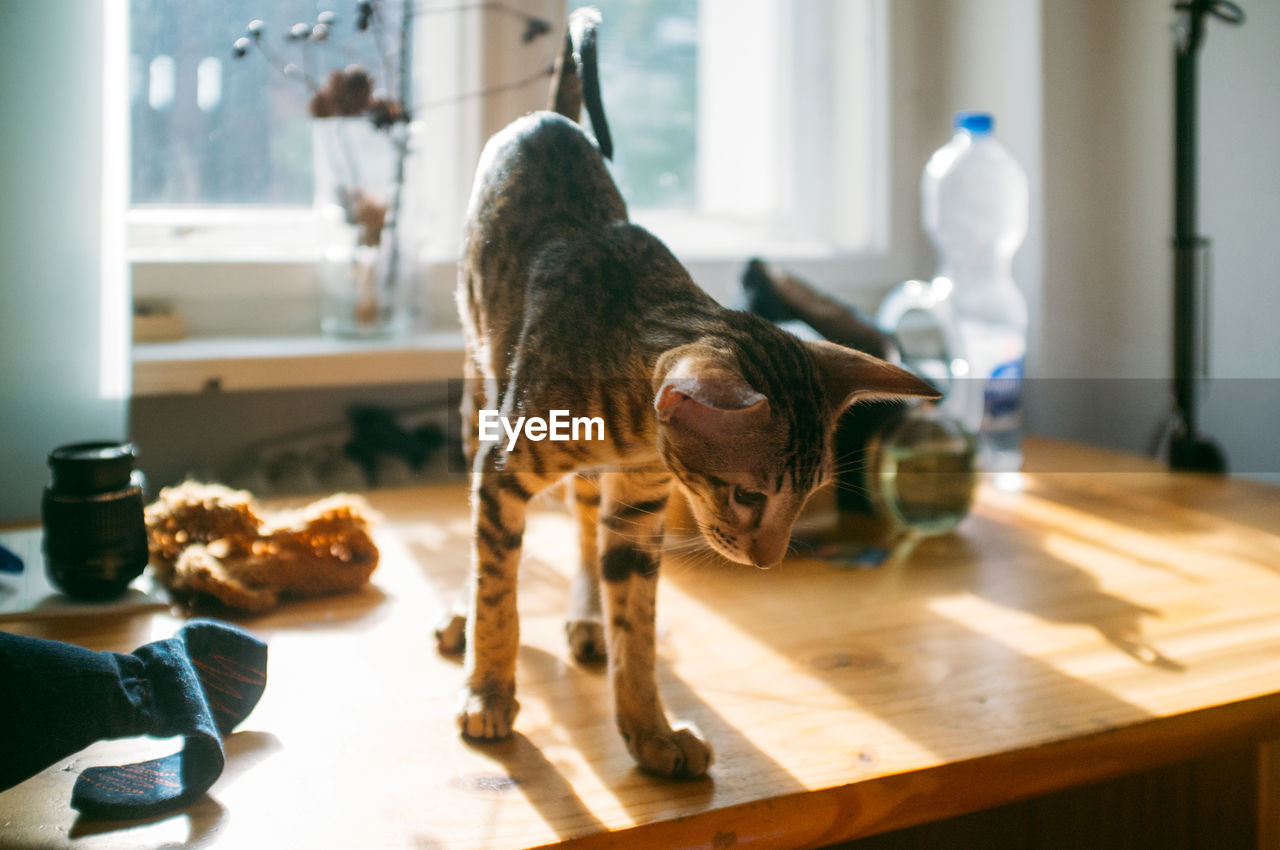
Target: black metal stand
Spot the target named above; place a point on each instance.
(1188, 449)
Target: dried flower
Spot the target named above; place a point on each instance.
(346, 93)
(384, 112)
(370, 215)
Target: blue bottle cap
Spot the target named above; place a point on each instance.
(977, 123)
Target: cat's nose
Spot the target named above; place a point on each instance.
(766, 554)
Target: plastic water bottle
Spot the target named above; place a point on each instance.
(974, 207)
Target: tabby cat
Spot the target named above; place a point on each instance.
(567, 306)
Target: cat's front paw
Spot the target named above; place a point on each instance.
(487, 715)
(679, 754)
(586, 640)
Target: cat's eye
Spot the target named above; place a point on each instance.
(748, 498)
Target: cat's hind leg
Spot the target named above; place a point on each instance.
(451, 627)
(585, 625)
(632, 510)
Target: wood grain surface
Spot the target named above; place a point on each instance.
(1104, 618)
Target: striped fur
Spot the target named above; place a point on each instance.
(567, 305)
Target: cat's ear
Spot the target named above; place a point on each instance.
(850, 376)
(700, 390)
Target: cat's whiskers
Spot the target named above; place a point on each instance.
(683, 547)
(854, 489)
(694, 560)
(853, 463)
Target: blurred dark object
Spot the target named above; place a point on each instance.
(779, 296)
(375, 432)
(9, 561)
(1188, 448)
(95, 539)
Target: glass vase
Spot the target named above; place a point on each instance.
(367, 270)
(924, 472)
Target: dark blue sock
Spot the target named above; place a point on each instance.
(60, 698)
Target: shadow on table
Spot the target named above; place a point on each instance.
(527, 770)
(205, 817)
(904, 649)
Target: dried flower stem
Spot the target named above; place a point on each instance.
(283, 67)
(401, 141)
(406, 58)
(485, 5)
(498, 88)
(380, 40)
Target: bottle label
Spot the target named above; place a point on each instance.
(1002, 398)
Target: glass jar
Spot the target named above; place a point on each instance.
(368, 271)
(923, 473)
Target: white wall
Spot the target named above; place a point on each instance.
(63, 298)
(1106, 308)
(1240, 211)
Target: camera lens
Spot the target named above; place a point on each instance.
(95, 538)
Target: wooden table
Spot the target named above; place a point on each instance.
(1101, 621)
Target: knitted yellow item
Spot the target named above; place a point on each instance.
(210, 539)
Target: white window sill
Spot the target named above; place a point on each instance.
(244, 363)
(223, 234)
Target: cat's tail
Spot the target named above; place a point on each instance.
(576, 80)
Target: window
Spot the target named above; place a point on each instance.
(222, 147)
(741, 127)
(648, 69)
(747, 123)
(208, 128)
